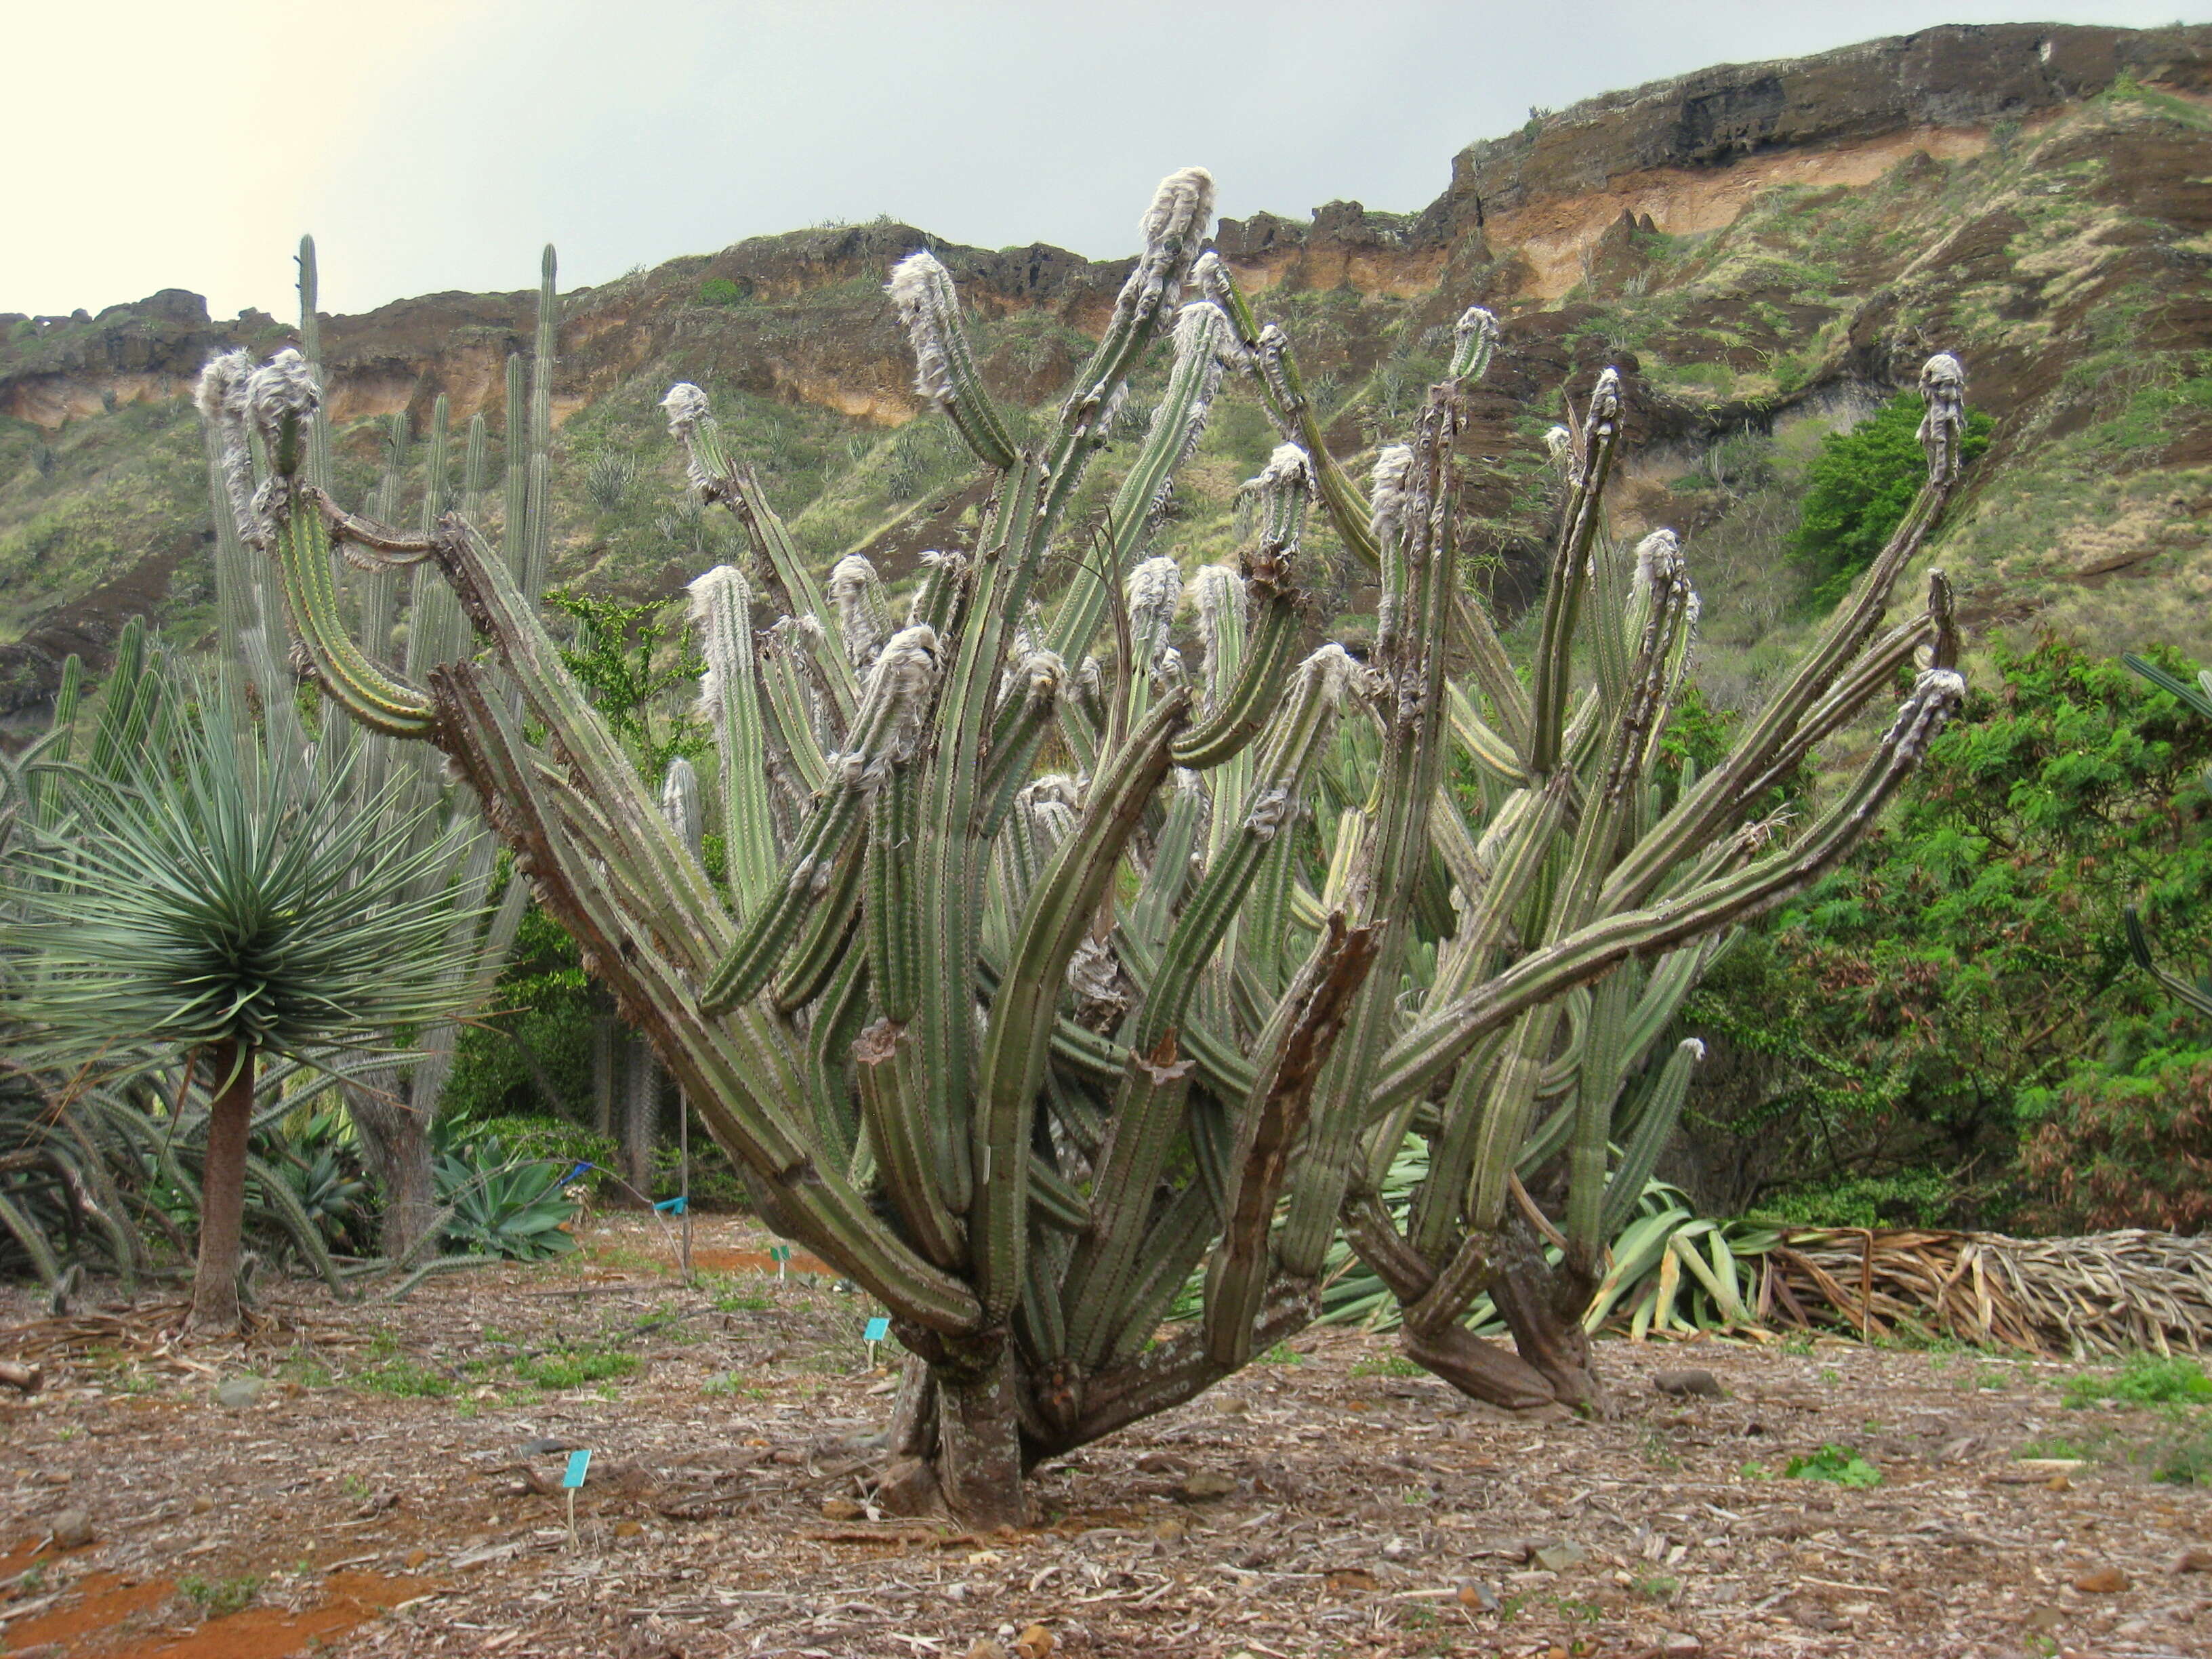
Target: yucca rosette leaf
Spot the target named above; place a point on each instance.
(183, 907)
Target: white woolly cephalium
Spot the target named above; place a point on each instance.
(1474, 338)
(1561, 444)
(1172, 228)
(1943, 427)
(888, 725)
(1278, 498)
(721, 606)
(241, 399)
(1936, 695)
(1387, 490)
(864, 614)
(690, 418)
(922, 290)
(679, 802)
(220, 395)
(1154, 595)
(1220, 593)
(1658, 558)
(1211, 278)
(1604, 401)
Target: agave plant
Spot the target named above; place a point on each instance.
(189, 905)
(1020, 1049)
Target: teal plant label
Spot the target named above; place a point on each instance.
(878, 1328)
(578, 1462)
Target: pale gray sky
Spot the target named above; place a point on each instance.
(435, 145)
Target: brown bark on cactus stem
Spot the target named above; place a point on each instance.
(222, 1187)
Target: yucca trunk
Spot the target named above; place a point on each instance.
(222, 1187)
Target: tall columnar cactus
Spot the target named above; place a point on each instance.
(1022, 1050)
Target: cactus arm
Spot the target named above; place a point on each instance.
(949, 853)
(1253, 695)
(780, 674)
(1705, 809)
(364, 691)
(1440, 1037)
(822, 944)
(1411, 658)
(944, 365)
(1202, 336)
(1056, 920)
(894, 945)
(1312, 1013)
(735, 1072)
(1483, 746)
(1173, 1246)
(1655, 1126)
(884, 1060)
(1017, 735)
(729, 697)
(714, 478)
(843, 1013)
(1563, 592)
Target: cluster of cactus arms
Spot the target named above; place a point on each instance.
(1026, 1000)
(392, 1104)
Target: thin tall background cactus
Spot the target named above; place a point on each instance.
(393, 1104)
(1027, 997)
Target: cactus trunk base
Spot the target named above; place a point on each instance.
(1482, 1370)
(1540, 1305)
(955, 1441)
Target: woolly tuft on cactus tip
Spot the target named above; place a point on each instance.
(1474, 338)
(1155, 593)
(863, 612)
(689, 419)
(1943, 427)
(1658, 559)
(921, 289)
(1386, 489)
(721, 604)
(890, 723)
(1172, 228)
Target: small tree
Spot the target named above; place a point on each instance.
(196, 902)
(986, 1038)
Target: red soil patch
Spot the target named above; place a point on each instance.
(99, 1616)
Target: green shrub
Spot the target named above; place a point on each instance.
(574, 1370)
(1858, 488)
(720, 291)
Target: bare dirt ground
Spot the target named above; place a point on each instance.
(390, 1491)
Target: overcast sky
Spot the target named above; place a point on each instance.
(433, 145)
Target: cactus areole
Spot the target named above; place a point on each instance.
(1024, 1052)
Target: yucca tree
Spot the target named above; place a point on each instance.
(189, 903)
(1019, 1050)
(393, 1103)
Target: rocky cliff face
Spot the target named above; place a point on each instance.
(1764, 249)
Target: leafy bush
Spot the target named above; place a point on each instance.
(1858, 488)
(720, 291)
(1926, 1004)
(2129, 1149)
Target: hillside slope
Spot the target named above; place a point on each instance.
(1766, 251)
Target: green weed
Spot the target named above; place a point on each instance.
(1392, 1364)
(577, 1369)
(2145, 1380)
(403, 1379)
(1838, 1465)
(218, 1596)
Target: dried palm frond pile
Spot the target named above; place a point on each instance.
(2103, 1293)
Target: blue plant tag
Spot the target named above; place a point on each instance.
(779, 1252)
(878, 1328)
(578, 1462)
(675, 1206)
